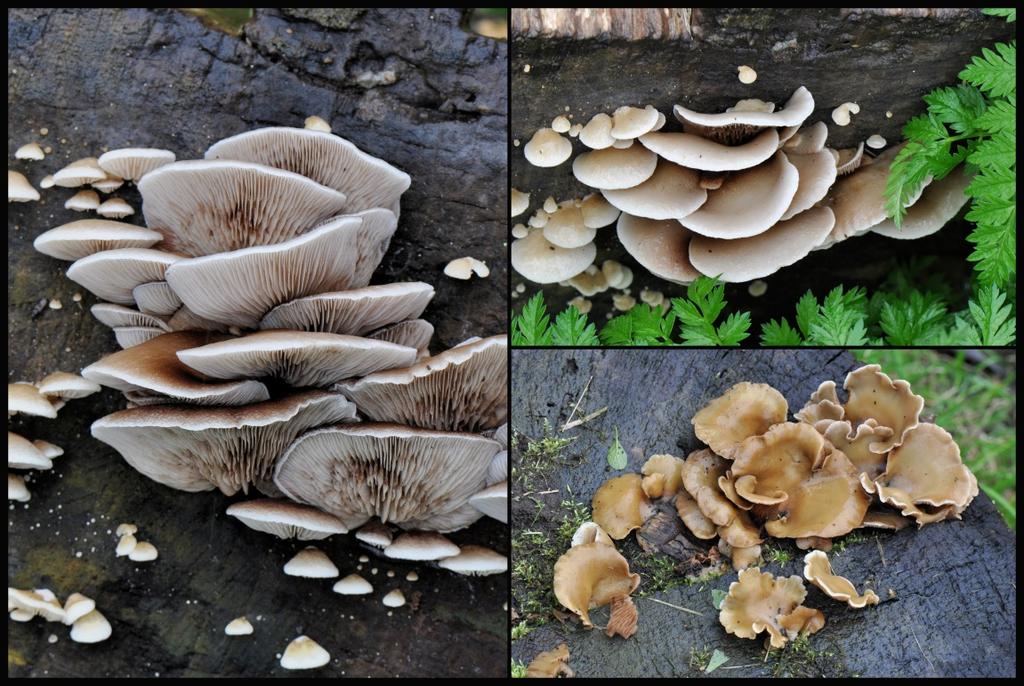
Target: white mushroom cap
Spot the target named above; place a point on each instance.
(695, 152)
(464, 267)
(375, 533)
(797, 109)
(421, 545)
(16, 489)
(153, 368)
(199, 448)
(841, 114)
(204, 207)
(366, 181)
(876, 142)
(520, 202)
(66, 385)
(19, 189)
(613, 168)
(311, 563)
(134, 163)
(597, 211)
(112, 274)
(126, 528)
(48, 449)
(671, 192)
(304, 653)
(157, 298)
(394, 599)
(79, 173)
(540, 261)
(353, 584)
(30, 151)
(858, 200)
(39, 602)
(240, 626)
(115, 208)
(547, 148)
(300, 358)
(82, 201)
(498, 471)
(109, 184)
(808, 140)
(816, 174)
(758, 256)
(475, 560)
(461, 389)
(47, 182)
(238, 288)
(144, 551)
(315, 123)
(493, 501)
(597, 134)
(25, 398)
(21, 454)
(19, 615)
(939, 203)
(76, 607)
(632, 122)
(660, 246)
(565, 227)
(78, 239)
(286, 519)
(125, 545)
(92, 627)
(748, 203)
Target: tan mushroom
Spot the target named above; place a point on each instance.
(938, 204)
(550, 664)
(823, 408)
(761, 602)
(670, 468)
(597, 211)
(134, 163)
(873, 395)
(660, 246)
(856, 444)
(747, 409)
(592, 575)
(818, 571)
(695, 152)
(620, 505)
(78, 239)
(632, 122)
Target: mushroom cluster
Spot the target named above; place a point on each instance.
(257, 355)
(88, 625)
(736, 195)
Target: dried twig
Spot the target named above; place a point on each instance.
(676, 607)
(577, 405)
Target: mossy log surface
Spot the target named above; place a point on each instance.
(948, 591)
(101, 79)
(581, 62)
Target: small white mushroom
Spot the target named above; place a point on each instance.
(126, 529)
(597, 134)
(49, 450)
(876, 142)
(76, 607)
(82, 201)
(115, 208)
(20, 615)
(126, 545)
(19, 189)
(581, 304)
(30, 151)
(47, 182)
(520, 202)
(547, 148)
(316, 123)
(93, 627)
(550, 205)
(143, 552)
(412, 576)
(16, 489)
(623, 302)
(841, 114)
(561, 123)
(304, 653)
(353, 584)
(574, 130)
(394, 599)
(520, 231)
(239, 626)
(311, 563)
(746, 74)
(464, 267)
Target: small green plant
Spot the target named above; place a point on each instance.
(521, 629)
(974, 122)
(699, 659)
(776, 554)
(518, 670)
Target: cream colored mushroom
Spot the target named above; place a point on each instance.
(818, 571)
(547, 148)
(540, 261)
(597, 134)
(464, 267)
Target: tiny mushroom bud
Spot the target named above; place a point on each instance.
(464, 267)
(560, 123)
(875, 141)
(115, 208)
(304, 653)
(239, 626)
(394, 599)
(47, 181)
(311, 563)
(19, 189)
(16, 489)
(746, 74)
(29, 151)
(126, 545)
(550, 205)
(376, 534)
(126, 529)
(317, 124)
(841, 114)
(520, 202)
(82, 201)
(353, 584)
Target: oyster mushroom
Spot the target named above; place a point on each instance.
(547, 148)
(541, 261)
(620, 505)
(134, 163)
(818, 571)
(592, 575)
(761, 602)
(672, 191)
(286, 519)
(747, 409)
(614, 168)
(78, 239)
(873, 395)
(19, 189)
(660, 246)
(695, 152)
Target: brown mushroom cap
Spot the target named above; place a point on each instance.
(200, 448)
(614, 168)
(818, 571)
(926, 469)
(661, 247)
(352, 312)
(672, 191)
(747, 409)
(365, 180)
(412, 477)
(78, 239)
(592, 575)
(286, 519)
(746, 259)
(461, 389)
(240, 287)
(938, 203)
(671, 469)
(873, 395)
(300, 358)
(748, 203)
(695, 520)
(823, 408)
(695, 152)
(153, 368)
(856, 445)
(620, 505)
(701, 474)
(550, 663)
(741, 558)
(760, 602)
(112, 274)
